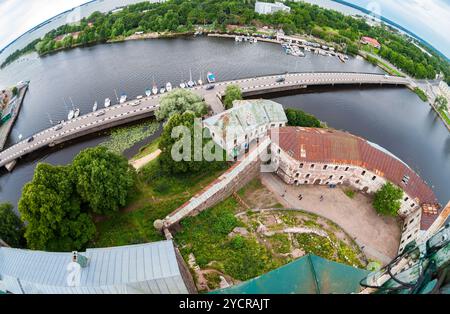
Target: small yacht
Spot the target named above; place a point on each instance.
(139, 97)
(200, 81)
(76, 113)
(107, 102)
(182, 85)
(162, 90)
(148, 92)
(94, 108)
(155, 89)
(70, 115)
(211, 77)
(191, 82)
(123, 98)
(168, 86)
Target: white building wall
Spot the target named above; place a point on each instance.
(269, 8)
(411, 229)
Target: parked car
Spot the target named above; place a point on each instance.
(99, 113)
(30, 139)
(280, 79)
(210, 86)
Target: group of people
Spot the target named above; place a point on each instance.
(300, 196)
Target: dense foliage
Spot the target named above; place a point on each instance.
(298, 117)
(179, 101)
(51, 208)
(103, 179)
(232, 93)
(181, 16)
(11, 228)
(193, 156)
(441, 103)
(387, 199)
(16, 54)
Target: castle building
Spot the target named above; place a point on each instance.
(329, 157)
(269, 8)
(248, 120)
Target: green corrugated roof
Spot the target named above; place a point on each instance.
(308, 275)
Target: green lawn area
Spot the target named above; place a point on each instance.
(155, 196)
(421, 94)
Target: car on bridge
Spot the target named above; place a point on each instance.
(280, 79)
(30, 139)
(210, 86)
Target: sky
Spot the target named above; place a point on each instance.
(428, 19)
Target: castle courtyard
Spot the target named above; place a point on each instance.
(377, 235)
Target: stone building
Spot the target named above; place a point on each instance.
(248, 120)
(329, 157)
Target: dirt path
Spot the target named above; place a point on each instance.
(139, 163)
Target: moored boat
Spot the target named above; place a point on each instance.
(162, 90)
(70, 115)
(168, 86)
(76, 113)
(123, 98)
(94, 108)
(148, 92)
(107, 102)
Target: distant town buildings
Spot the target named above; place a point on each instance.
(143, 268)
(235, 128)
(269, 8)
(370, 41)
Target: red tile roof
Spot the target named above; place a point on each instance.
(331, 146)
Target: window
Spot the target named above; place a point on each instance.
(357, 181)
(279, 150)
(330, 177)
(246, 136)
(297, 175)
(412, 205)
(373, 178)
(346, 168)
(308, 175)
(301, 165)
(327, 183)
(363, 173)
(312, 166)
(341, 177)
(281, 124)
(408, 237)
(306, 181)
(336, 168)
(235, 141)
(406, 198)
(325, 167)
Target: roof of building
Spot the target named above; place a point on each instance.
(308, 275)
(325, 145)
(371, 41)
(245, 116)
(142, 268)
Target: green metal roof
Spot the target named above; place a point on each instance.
(308, 275)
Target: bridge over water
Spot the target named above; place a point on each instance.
(137, 109)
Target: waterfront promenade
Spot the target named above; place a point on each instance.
(138, 109)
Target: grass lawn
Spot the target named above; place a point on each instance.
(445, 115)
(421, 94)
(155, 196)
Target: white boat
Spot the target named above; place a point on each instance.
(107, 102)
(139, 97)
(162, 90)
(200, 81)
(182, 85)
(76, 113)
(123, 98)
(70, 115)
(148, 92)
(94, 108)
(155, 89)
(168, 86)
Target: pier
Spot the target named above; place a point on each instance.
(138, 109)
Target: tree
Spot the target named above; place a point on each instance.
(387, 199)
(232, 93)
(193, 158)
(179, 101)
(51, 208)
(300, 118)
(11, 227)
(15, 91)
(103, 179)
